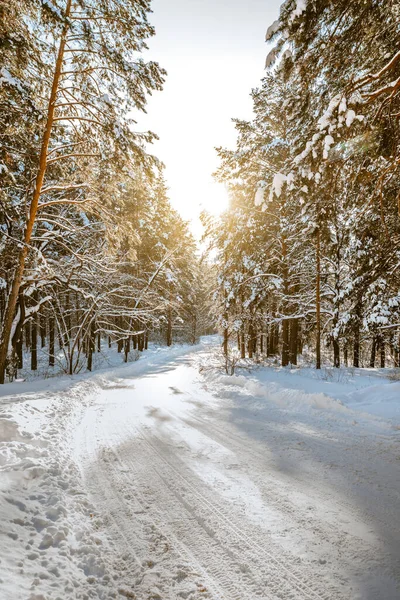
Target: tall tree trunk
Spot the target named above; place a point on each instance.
(336, 352)
(242, 343)
(225, 342)
(294, 340)
(250, 341)
(51, 342)
(28, 335)
(34, 343)
(19, 333)
(382, 349)
(285, 342)
(20, 267)
(373, 353)
(169, 325)
(127, 348)
(91, 344)
(42, 322)
(299, 338)
(356, 346)
(318, 300)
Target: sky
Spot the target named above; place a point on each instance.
(214, 52)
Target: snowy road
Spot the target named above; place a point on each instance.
(206, 491)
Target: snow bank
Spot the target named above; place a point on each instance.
(347, 391)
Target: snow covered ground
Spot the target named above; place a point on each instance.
(165, 479)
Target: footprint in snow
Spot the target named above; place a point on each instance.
(175, 390)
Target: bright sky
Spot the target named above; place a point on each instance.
(214, 52)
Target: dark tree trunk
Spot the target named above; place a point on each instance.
(17, 341)
(141, 342)
(356, 347)
(346, 356)
(285, 342)
(169, 326)
(99, 342)
(127, 348)
(382, 348)
(299, 338)
(276, 339)
(51, 342)
(250, 341)
(42, 321)
(91, 346)
(336, 353)
(225, 342)
(28, 335)
(34, 343)
(373, 353)
(294, 335)
(318, 300)
(146, 340)
(67, 319)
(242, 343)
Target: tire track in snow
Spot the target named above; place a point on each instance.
(289, 581)
(118, 491)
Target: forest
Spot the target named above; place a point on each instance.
(309, 250)
(90, 246)
(306, 259)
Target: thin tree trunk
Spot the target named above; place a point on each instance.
(382, 348)
(51, 342)
(28, 335)
(127, 348)
(318, 300)
(42, 322)
(242, 343)
(336, 353)
(373, 353)
(285, 342)
(169, 325)
(356, 346)
(225, 342)
(250, 341)
(91, 344)
(294, 333)
(34, 343)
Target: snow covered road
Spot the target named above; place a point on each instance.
(202, 486)
(218, 497)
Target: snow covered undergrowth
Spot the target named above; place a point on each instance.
(164, 479)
